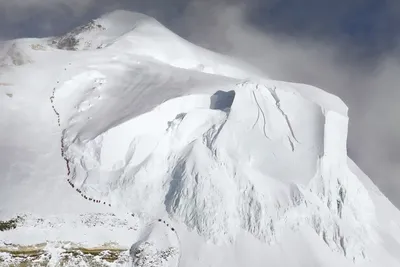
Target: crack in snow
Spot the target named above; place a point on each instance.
(258, 113)
(262, 112)
(291, 143)
(278, 105)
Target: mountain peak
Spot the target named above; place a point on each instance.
(101, 32)
(130, 134)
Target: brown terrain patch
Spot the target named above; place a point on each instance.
(5, 84)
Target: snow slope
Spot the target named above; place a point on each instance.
(187, 157)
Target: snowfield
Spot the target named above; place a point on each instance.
(122, 135)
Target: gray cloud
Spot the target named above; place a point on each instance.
(40, 18)
(34, 18)
(346, 48)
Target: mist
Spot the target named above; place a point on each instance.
(353, 56)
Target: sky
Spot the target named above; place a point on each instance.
(348, 48)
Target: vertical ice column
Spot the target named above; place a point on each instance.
(334, 160)
(335, 138)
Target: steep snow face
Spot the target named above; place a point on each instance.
(241, 159)
(218, 165)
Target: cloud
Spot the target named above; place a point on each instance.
(40, 18)
(37, 18)
(18, 8)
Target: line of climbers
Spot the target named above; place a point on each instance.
(69, 170)
(167, 224)
(86, 197)
(64, 157)
(52, 105)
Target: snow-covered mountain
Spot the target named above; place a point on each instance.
(122, 136)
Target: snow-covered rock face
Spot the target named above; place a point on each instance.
(12, 55)
(157, 247)
(243, 170)
(254, 158)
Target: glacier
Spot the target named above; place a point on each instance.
(121, 132)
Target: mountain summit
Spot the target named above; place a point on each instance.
(121, 136)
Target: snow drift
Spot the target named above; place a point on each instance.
(242, 170)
